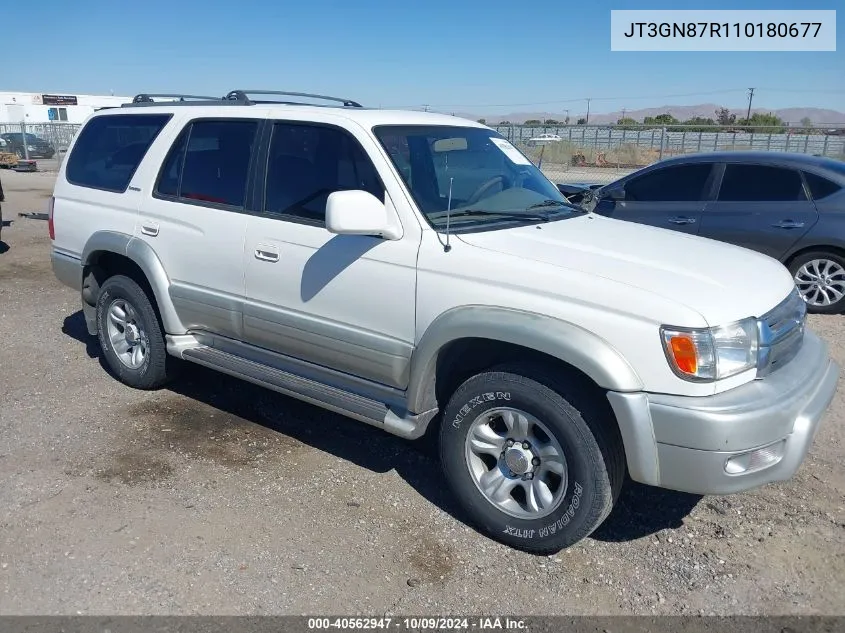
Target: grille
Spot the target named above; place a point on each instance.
(781, 333)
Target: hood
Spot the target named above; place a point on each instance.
(719, 281)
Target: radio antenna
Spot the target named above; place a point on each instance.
(448, 247)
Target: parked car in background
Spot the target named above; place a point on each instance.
(544, 139)
(788, 206)
(21, 145)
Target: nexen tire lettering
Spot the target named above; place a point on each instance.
(490, 396)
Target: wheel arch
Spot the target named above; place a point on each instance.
(821, 248)
(109, 252)
(536, 335)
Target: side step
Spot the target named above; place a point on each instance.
(325, 396)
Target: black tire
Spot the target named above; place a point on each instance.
(157, 367)
(834, 308)
(584, 426)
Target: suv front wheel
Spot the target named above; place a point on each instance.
(536, 465)
(131, 335)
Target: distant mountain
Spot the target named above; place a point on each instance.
(819, 116)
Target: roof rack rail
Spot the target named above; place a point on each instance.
(147, 98)
(243, 97)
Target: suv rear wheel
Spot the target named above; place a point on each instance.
(536, 464)
(131, 335)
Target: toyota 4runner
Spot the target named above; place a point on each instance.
(417, 272)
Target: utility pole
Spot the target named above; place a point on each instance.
(624, 110)
(425, 108)
(587, 122)
(750, 97)
(567, 116)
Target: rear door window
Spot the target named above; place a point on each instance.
(110, 148)
(761, 183)
(209, 162)
(682, 183)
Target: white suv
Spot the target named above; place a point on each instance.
(416, 272)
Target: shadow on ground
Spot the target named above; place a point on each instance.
(3, 247)
(643, 510)
(640, 510)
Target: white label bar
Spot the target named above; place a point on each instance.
(723, 30)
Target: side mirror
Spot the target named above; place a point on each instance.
(614, 193)
(357, 212)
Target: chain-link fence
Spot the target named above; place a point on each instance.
(601, 154)
(571, 153)
(45, 143)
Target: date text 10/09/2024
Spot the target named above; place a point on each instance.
(420, 623)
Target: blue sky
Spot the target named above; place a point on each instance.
(456, 55)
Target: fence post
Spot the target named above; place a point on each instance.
(826, 139)
(806, 142)
(700, 134)
(769, 142)
(662, 138)
(23, 140)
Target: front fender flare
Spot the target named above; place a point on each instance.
(146, 259)
(571, 343)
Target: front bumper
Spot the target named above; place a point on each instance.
(701, 444)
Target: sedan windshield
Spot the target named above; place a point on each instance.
(472, 175)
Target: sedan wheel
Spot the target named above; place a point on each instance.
(820, 279)
(821, 282)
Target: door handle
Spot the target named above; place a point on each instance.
(788, 224)
(149, 228)
(682, 220)
(266, 256)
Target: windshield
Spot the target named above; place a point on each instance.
(488, 179)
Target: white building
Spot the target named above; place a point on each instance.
(30, 107)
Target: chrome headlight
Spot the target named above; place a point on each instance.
(708, 354)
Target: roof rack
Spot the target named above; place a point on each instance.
(234, 98)
(243, 97)
(148, 98)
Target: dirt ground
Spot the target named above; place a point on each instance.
(218, 497)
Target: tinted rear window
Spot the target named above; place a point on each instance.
(820, 188)
(110, 148)
(761, 183)
(209, 162)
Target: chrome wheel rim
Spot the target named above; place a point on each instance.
(516, 463)
(126, 334)
(821, 282)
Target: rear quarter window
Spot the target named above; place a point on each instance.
(820, 188)
(110, 148)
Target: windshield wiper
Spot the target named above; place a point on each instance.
(554, 203)
(507, 215)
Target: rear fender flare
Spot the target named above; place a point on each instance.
(146, 259)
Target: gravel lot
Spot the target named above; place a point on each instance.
(218, 497)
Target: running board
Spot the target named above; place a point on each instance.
(340, 401)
